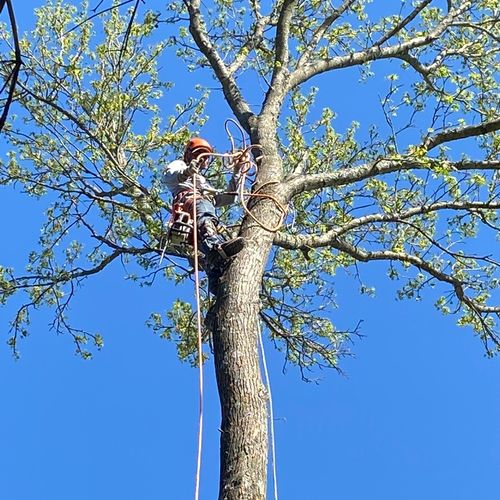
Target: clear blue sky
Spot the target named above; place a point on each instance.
(416, 417)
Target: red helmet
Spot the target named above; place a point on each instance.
(195, 147)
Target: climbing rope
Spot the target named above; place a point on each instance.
(240, 160)
(271, 415)
(200, 342)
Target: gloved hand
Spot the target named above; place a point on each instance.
(241, 163)
(193, 168)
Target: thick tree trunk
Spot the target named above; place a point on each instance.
(242, 394)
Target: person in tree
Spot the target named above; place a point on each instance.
(178, 178)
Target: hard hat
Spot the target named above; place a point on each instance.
(195, 147)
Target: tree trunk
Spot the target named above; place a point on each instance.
(236, 326)
(243, 396)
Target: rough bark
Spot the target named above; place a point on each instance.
(243, 396)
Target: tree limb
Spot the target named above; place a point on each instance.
(253, 41)
(408, 19)
(282, 34)
(373, 53)
(320, 31)
(455, 133)
(308, 241)
(231, 90)
(277, 88)
(14, 74)
(350, 175)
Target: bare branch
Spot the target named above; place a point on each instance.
(231, 90)
(308, 241)
(453, 134)
(376, 52)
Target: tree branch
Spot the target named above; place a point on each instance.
(350, 175)
(376, 52)
(282, 34)
(478, 309)
(253, 41)
(277, 88)
(231, 90)
(308, 241)
(366, 256)
(480, 27)
(14, 74)
(408, 19)
(320, 31)
(453, 134)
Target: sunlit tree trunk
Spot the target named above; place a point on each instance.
(241, 390)
(243, 396)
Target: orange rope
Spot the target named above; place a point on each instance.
(241, 157)
(200, 343)
(256, 194)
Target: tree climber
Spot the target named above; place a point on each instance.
(178, 178)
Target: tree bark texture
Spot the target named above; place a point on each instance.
(243, 396)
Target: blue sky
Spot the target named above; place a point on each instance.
(415, 416)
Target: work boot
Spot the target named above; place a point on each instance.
(218, 255)
(231, 247)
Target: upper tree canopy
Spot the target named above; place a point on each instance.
(415, 188)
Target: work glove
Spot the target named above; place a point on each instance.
(193, 168)
(241, 164)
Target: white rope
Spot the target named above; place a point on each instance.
(271, 415)
(200, 343)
